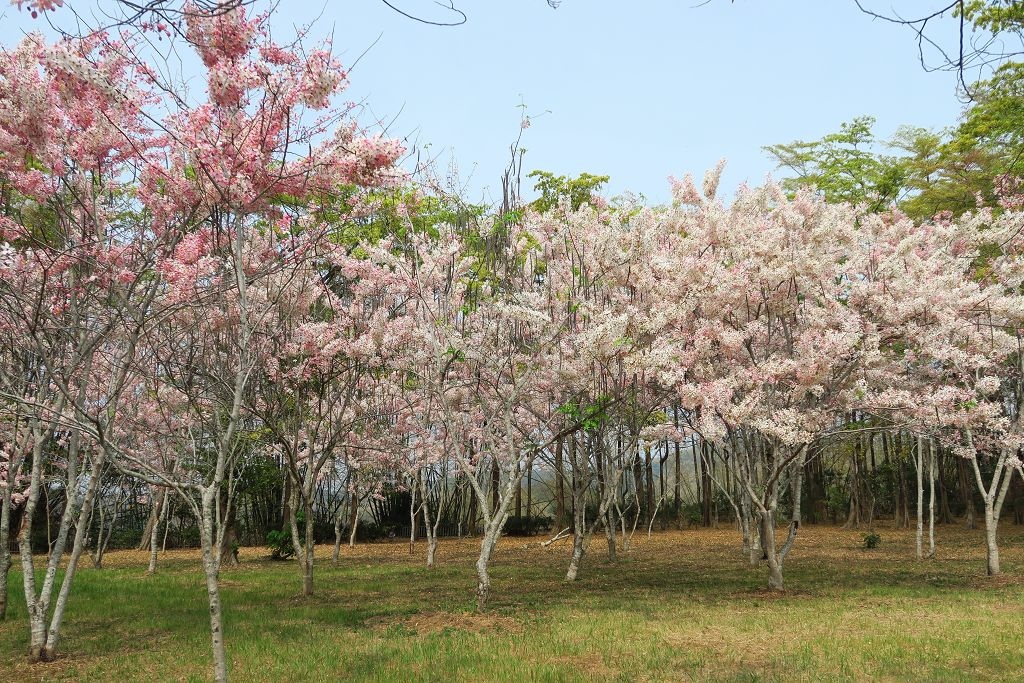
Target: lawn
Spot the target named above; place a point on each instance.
(681, 606)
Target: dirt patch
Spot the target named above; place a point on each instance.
(769, 594)
(1000, 581)
(592, 665)
(425, 623)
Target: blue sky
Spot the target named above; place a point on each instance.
(636, 89)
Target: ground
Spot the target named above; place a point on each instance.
(684, 605)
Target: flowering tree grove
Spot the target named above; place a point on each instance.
(189, 291)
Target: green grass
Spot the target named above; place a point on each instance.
(683, 606)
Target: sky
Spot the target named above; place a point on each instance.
(635, 89)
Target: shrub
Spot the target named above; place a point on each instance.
(872, 540)
(280, 543)
(527, 525)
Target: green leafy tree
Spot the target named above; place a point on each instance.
(555, 189)
(844, 166)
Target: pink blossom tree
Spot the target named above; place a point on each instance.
(945, 299)
(74, 289)
(760, 291)
(206, 245)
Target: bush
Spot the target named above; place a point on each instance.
(527, 525)
(373, 531)
(280, 543)
(692, 514)
(872, 540)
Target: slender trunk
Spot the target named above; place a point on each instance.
(309, 549)
(579, 514)
(578, 549)
(483, 586)
(945, 513)
(931, 498)
(609, 532)
(495, 484)
(429, 524)
(991, 545)
(155, 531)
(529, 500)
(919, 464)
(353, 518)
(337, 538)
(559, 486)
(678, 489)
(853, 516)
(412, 518)
(968, 493)
(229, 538)
(519, 502)
(77, 548)
(211, 567)
(707, 517)
(994, 496)
(751, 541)
(767, 527)
(352, 534)
(146, 540)
(5, 548)
(649, 488)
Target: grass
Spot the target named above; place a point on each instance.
(682, 606)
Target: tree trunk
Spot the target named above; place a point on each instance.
(5, 548)
(430, 524)
(495, 484)
(649, 484)
(412, 518)
(43, 639)
(991, 545)
(146, 541)
(609, 532)
(229, 538)
(678, 488)
(767, 534)
(931, 498)
(578, 541)
(519, 502)
(945, 514)
(529, 499)
(968, 492)
(579, 514)
(919, 464)
(353, 518)
(211, 567)
(155, 531)
(707, 514)
(309, 549)
(994, 496)
(559, 486)
(483, 586)
(336, 554)
(751, 533)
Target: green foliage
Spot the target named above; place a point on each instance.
(925, 172)
(844, 166)
(589, 416)
(280, 541)
(872, 540)
(554, 189)
(837, 494)
(950, 172)
(995, 16)
(280, 544)
(691, 514)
